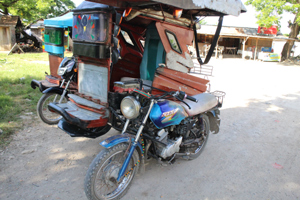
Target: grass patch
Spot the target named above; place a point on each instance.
(17, 98)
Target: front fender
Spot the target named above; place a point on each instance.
(117, 139)
(56, 90)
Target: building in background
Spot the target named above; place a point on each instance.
(10, 30)
(247, 42)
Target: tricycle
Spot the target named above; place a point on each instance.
(134, 76)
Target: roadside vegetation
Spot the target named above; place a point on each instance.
(17, 98)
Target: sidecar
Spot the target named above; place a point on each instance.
(118, 43)
(56, 38)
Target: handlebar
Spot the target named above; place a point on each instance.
(191, 99)
(182, 95)
(179, 95)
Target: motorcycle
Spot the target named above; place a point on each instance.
(155, 127)
(67, 71)
(134, 76)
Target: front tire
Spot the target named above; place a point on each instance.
(44, 113)
(101, 178)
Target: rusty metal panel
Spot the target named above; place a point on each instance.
(180, 61)
(54, 62)
(93, 81)
(187, 79)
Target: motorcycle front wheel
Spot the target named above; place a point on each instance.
(101, 178)
(44, 113)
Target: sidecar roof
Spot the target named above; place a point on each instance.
(191, 7)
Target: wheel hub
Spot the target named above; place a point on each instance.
(112, 173)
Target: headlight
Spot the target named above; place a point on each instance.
(130, 107)
(65, 66)
(61, 71)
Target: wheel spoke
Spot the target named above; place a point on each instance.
(105, 184)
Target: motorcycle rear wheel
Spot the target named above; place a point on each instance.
(101, 178)
(204, 136)
(42, 108)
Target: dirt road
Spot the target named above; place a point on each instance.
(255, 155)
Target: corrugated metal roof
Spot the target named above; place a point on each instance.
(238, 32)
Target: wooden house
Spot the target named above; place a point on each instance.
(10, 27)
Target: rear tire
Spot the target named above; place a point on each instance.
(204, 134)
(42, 108)
(100, 181)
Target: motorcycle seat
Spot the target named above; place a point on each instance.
(206, 101)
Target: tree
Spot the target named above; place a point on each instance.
(5, 4)
(271, 11)
(30, 10)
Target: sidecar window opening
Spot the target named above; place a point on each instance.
(143, 42)
(173, 42)
(154, 53)
(53, 36)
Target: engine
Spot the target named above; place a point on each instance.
(169, 147)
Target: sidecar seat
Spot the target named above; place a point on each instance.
(154, 53)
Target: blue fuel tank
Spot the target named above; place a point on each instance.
(166, 113)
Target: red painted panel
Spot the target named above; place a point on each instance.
(129, 65)
(54, 62)
(167, 84)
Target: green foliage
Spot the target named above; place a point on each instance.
(203, 22)
(270, 11)
(31, 10)
(16, 95)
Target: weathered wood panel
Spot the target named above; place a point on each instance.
(5, 39)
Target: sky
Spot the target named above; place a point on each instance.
(244, 20)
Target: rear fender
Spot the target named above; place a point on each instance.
(34, 84)
(117, 139)
(56, 90)
(214, 120)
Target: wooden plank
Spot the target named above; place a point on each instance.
(167, 84)
(184, 78)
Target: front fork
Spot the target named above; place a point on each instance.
(135, 142)
(65, 90)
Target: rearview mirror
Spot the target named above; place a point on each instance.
(114, 56)
(118, 18)
(117, 30)
(116, 42)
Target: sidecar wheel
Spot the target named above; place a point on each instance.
(204, 133)
(101, 178)
(42, 108)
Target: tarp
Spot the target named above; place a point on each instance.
(227, 7)
(86, 5)
(62, 21)
(211, 7)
